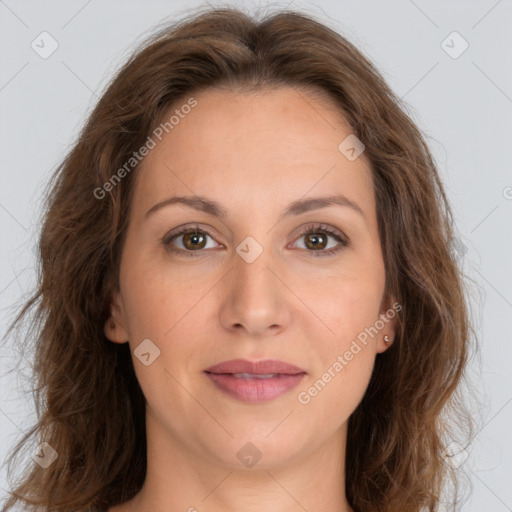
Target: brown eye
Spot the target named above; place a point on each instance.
(193, 240)
(317, 239)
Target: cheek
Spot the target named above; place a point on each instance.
(347, 304)
(345, 353)
(343, 298)
(335, 388)
(152, 298)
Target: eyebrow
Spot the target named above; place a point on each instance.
(298, 207)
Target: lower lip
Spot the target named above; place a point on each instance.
(255, 390)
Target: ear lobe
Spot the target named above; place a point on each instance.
(388, 316)
(114, 327)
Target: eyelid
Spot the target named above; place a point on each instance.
(339, 236)
(330, 231)
(176, 233)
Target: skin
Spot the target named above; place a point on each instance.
(254, 154)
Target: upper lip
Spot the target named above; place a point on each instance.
(255, 367)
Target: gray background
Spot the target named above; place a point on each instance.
(462, 104)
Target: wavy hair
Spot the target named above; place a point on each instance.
(90, 407)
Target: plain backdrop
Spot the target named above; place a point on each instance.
(458, 87)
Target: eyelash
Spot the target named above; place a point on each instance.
(317, 228)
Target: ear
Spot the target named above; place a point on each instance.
(390, 309)
(115, 326)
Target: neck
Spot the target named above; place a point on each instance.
(178, 478)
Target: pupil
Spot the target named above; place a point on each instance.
(194, 237)
(316, 243)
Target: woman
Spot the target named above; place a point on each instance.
(247, 295)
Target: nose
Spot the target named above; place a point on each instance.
(256, 299)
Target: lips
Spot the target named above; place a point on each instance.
(256, 368)
(259, 381)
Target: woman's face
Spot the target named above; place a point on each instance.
(251, 284)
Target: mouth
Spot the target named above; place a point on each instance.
(255, 382)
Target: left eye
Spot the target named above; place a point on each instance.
(194, 239)
(316, 237)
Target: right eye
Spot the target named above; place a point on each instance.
(193, 241)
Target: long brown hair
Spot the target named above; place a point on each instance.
(91, 410)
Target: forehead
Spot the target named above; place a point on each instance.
(250, 147)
